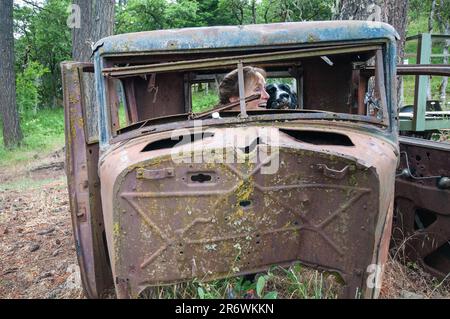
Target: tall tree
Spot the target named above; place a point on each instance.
(12, 134)
(393, 12)
(141, 15)
(42, 36)
(97, 21)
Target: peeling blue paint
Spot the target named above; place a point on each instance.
(275, 34)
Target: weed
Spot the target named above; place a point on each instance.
(293, 282)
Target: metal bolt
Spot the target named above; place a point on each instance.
(444, 183)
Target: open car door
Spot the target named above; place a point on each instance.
(82, 151)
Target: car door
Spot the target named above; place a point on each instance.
(82, 152)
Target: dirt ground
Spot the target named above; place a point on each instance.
(37, 254)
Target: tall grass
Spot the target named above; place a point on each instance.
(43, 132)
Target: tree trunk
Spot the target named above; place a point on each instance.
(254, 11)
(431, 16)
(12, 134)
(97, 21)
(444, 82)
(393, 12)
(430, 30)
(444, 27)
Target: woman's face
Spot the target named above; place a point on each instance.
(254, 86)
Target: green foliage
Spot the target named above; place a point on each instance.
(141, 15)
(271, 295)
(260, 285)
(294, 10)
(292, 282)
(28, 85)
(202, 101)
(201, 292)
(42, 36)
(182, 13)
(422, 8)
(419, 24)
(43, 132)
(144, 15)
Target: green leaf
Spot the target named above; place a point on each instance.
(201, 292)
(271, 295)
(260, 285)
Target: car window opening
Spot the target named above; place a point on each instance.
(347, 80)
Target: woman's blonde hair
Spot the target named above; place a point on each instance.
(229, 86)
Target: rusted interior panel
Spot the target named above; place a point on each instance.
(163, 95)
(84, 187)
(171, 222)
(422, 197)
(327, 87)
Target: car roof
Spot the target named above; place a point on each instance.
(246, 36)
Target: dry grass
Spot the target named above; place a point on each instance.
(403, 278)
(37, 252)
(410, 281)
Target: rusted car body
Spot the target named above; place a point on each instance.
(421, 222)
(150, 211)
(421, 230)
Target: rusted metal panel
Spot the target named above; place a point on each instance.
(84, 187)
(422, 198)
(417, 69)
(337, 82)
(168, 222)
(231, 61)
(164, 97)
(366, 123)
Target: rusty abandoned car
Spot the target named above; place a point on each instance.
(247, 189)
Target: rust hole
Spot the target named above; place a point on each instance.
(423, 219)
(245, 203)
(171, 142)
(319, 138)
(201, 178)
(440, 258)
